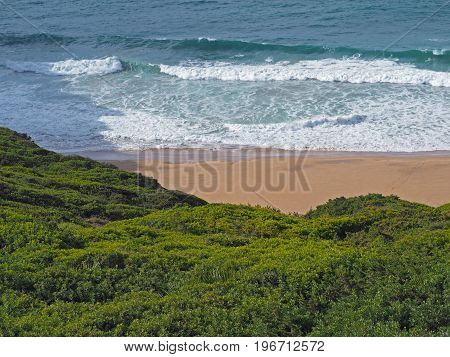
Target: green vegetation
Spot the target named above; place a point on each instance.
(35, 178)
(88, 250)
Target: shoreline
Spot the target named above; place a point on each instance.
(291, 181)
(236, 153)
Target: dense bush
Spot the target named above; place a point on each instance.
(69, 266)
(75, 185)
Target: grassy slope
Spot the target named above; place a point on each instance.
(363, 266)
(75, 186)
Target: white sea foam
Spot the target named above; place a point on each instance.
(209, 39)
(313, 114)
(327, 70)
(343, 120)
(69, 67)
(439, 52)
(138, 129)
(162, 112)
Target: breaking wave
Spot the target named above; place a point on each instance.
(69, 67)
(325, 70)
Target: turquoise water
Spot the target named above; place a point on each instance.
(337, 75)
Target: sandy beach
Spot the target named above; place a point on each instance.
(292, 181)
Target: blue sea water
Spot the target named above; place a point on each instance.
(336, 75)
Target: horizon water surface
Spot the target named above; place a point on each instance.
(330, 75)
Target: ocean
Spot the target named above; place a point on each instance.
(326, 75)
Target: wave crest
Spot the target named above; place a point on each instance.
(69, 67)
(217, 45)
(327, 70)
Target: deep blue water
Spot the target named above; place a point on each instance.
(347, 75)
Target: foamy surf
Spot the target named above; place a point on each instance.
(343, 120)
(69, 67)
(440, 52)
(326, 70)
(141, 130)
